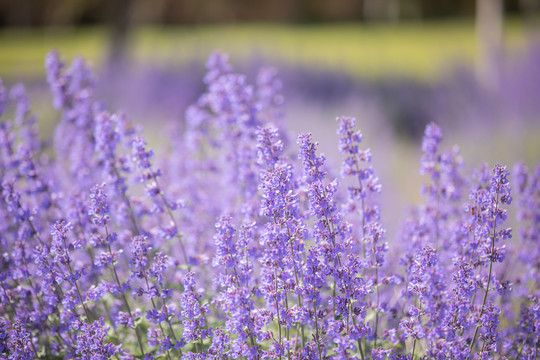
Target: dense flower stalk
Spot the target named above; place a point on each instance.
(356, 164)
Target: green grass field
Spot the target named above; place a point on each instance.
(420, 50)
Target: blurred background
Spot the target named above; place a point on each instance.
(473, 66)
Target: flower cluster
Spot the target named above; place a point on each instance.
(240, 245)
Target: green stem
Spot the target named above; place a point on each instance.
(277, 310)
(489, 277)
(173, 220)
(299, 296)
(358, 341)
(115, 275)
(522, 346)
(317, 336)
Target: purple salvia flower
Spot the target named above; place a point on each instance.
(91, 343)
(312, 163)
(7, 148)
(217, 65)
(445, 183)
(226, 251)
(528, 214)
(332, 237)
(139, 260)
(35, 181)
(109, 131)
(349, 141)
(282, 238)
(57, 82)
(3, 335)
(59, 244)
(426, 281)
(106, 137)
(489, 334)
(158, 267)
(465, 286)
(99, 206)
(141, 155)
(529, 328)
(157, 338)
(73, 93)
(12, 201)
(452, 182)
(269, 146)
(193, 314)
(356, 164)
(272, 296)
(19, 342)
(3, 98)
(488, 219)
(220, 341)
(72, 88)
(270, 101)
(430, 146)
(235, 296)
(22, 103)
(25, 120)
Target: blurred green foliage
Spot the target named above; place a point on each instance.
(419, 49)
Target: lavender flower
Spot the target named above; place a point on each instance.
(99, 207)
(2, 98)
(90, 342)
(19, 343)
(193, 313)
(296, 265)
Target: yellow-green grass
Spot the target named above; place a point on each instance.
(417, 49)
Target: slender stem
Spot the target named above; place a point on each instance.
(155, 307)
(10, 302)
(34, 231)
(287, 334)
(358, 341)
(317, 336)
(363, 204)
(376, 305)
(108, 312)
(168, 320)
(89, 250)
(489, 275)
(299, 296)
(115, 274)
(31, 282)
(127, 201)
(523, 346)
(437, 231)
(33, 347)
(178, 236)
(277, 310)
(250, 333)
(334, 299)
(86, 310)
(138, 231)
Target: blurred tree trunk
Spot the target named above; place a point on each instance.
(530, 10)
(489, 31)
(119, 28)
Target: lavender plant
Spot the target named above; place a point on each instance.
(239, 245)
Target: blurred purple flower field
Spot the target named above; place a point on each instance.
(236, 238)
